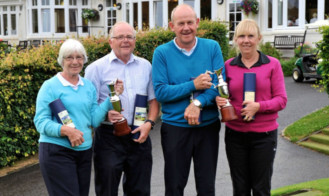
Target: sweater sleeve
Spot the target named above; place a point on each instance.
(43, 116)
(98, 112)
(279, 96)
(164, 91)
(208, 97)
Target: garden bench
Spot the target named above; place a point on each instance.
(288, 41)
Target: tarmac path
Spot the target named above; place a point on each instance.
(293, 164)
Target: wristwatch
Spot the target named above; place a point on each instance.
(150, 121)
(197, 103)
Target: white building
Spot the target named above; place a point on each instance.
(56, 19)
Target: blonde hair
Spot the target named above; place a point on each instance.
(246, 26)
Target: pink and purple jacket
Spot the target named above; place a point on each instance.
(270, 92)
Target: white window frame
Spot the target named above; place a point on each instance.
(52, 8)
(9, 13)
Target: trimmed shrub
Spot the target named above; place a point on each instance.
(288, 66)
(270, 50)
(324, 54)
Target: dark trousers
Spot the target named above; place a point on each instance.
(251, 156)
(180, 145)
(66, 172)
(116, 155)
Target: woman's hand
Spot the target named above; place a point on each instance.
(250, 109)
(220, 101)
(75, 136)
(114, 116)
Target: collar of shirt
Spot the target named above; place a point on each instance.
(67, 83)
(263, 59)
(113, 57)
(187, 53)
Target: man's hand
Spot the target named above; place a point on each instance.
(220, 101)
(144, 130)
(203, 81)
(75, 136)
(118, 86)
(114, 116)
(192, 114)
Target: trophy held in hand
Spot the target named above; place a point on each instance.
(227, 111)
(121, 127)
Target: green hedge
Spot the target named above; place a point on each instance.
(22, 74)
(324, 54)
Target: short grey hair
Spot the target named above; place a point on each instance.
(119, 23)
(69, 47)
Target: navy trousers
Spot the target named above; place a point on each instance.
(180, 145)
(66, 172)
(251, 156)
(114, 156)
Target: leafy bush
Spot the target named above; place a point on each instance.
(307, 49)
(288, 66)
(22, 74)
(147, 41)
(324, 54)
(270, 50)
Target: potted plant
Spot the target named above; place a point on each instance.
(90, 14)
(249, 6)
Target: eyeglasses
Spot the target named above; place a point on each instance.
(121, 37)
(71, 58)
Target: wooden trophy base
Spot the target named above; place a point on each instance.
(228, 113)
(121, 128)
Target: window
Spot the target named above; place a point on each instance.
(293, 8)
(111, 13)
(73, 2)
(35, 28)
(5, 24)
(205, 9)
(45, 2)
(59, 2)
(59, 21)
(51, 16)
(45, 20)
(145, 15)
(235, 16)
(171, 5)
(73, 19)
(135, 16)
(189, 2)
(127, 13)
(8, 24)
(270, 12)
(158, 20)
(311, 13)
(13, 24)
(280, 12)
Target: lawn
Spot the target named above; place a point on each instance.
(308, 124)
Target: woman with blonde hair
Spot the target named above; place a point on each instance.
(251, 140)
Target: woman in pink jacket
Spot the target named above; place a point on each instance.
(251, 140)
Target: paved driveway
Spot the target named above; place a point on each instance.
(293, 164)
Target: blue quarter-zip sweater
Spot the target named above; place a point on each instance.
(81, 105)
(172, 80)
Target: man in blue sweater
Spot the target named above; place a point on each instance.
(190, 128)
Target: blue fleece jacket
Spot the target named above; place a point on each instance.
(81, 105)
(172, 72)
